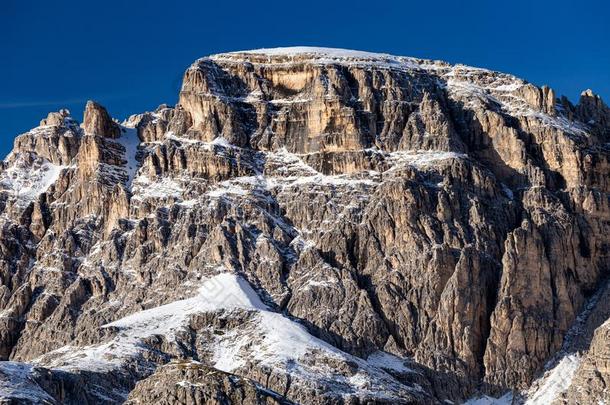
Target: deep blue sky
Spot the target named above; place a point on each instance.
(130, 55)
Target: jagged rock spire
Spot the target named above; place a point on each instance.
(97, 121)
(592, 109)
(56, 118)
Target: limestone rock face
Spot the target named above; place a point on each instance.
(308, 226)
(97, 121)
(56, 118)
(578, 373)
(193, 383)
(590, 381)
(57, 139)
(593, 110)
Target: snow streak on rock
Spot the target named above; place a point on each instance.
(28, 177)
(554, 382)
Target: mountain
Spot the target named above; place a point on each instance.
(313, 226)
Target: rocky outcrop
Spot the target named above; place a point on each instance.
(97, 121)
(334, 226)
(590, 382)
(56, 140)
(592, 110)
(193, 383)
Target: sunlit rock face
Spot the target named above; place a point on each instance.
(309, 225)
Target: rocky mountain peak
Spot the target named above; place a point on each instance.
(56, 118)
(334, 226)
(592, 110)
(97, 121)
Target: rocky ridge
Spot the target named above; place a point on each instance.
(310, 226)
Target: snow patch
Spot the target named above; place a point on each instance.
(208, 146)
(554, 382)
(267, 339)
(223, 291)
(506, 399)
(16, 383)
(321, 180)
(130, 141)
(319, 51)
(170, 135)
(28, 180)
(321, 55)
(221, 141)
(388, 361)
(330, 283)
(422, 158)
(164, 187)
(227, 187)
(501, 89)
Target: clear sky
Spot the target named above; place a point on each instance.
(130, 55)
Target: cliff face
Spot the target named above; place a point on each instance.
(330, 226)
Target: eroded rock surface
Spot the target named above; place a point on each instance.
(192, 383)
(333, 226)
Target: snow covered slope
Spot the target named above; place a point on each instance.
(267, 340)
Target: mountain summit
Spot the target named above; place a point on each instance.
(314, 226)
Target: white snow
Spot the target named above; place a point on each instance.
(388, 361)
(281, 101)
(320, 180)
(329, 283)
(321, 51)
(227, 187)
(170, 135)
(322, 55)
(27, 181)
(16, 383)
(506, 399)
(559, 122)
(273, 341)
(267, 339)
(508, 87)
(500, 88)
(282, 339)
(285, 340)
(130, 141)
(421, 158)
(221, 141)
(285, 170)
(226, 354)
(164, 187)
(554, 382)
(223, 291)
(289, 163)
(208, 146)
